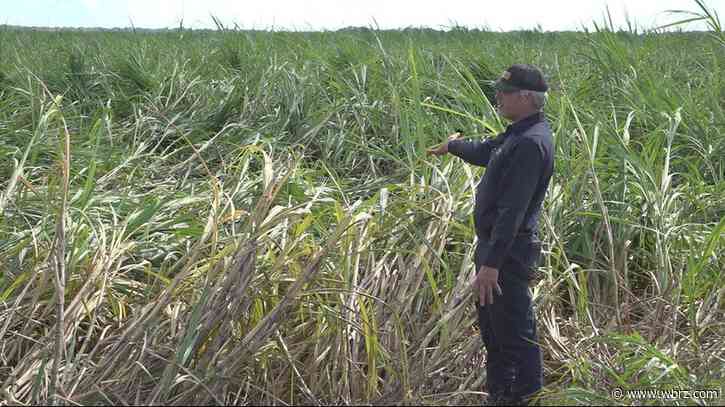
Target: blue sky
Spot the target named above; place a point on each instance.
(330, 14)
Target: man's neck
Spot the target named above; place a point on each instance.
(524, 116)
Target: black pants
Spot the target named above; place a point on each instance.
(508, 330)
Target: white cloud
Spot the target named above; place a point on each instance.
(155, 13)
(91, 4)
(331, 14)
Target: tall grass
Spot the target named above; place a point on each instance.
(249, 217)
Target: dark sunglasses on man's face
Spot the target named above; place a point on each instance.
(507, 91)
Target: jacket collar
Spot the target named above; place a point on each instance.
(525, 123)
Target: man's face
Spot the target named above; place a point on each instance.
(510, 104)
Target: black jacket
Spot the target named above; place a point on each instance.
(519, 164)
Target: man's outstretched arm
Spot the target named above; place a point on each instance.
(472, 152)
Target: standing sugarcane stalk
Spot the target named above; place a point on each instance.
(59, 266)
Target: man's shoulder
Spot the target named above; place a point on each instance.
(539, 134)
(537, 138)
(541, 128)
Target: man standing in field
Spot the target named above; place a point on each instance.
(519, 163)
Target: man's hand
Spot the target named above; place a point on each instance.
(443, 147)
(484, 283)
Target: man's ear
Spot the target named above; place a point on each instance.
(528, 97)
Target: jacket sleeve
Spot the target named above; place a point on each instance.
(519, 182)
(473, 152)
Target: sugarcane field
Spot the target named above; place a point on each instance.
(230, 216)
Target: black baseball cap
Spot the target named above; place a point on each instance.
(521, 77)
